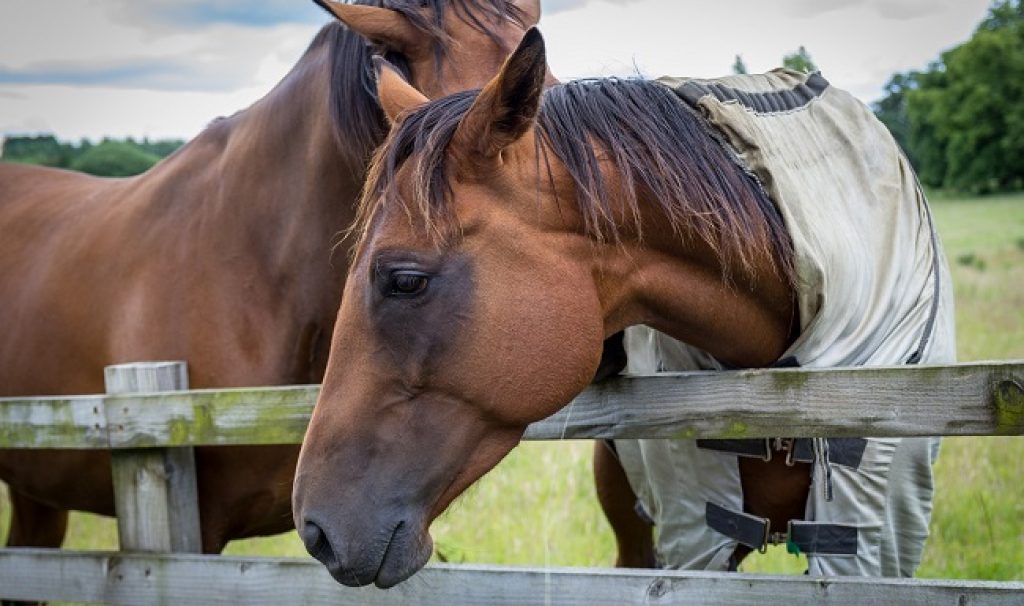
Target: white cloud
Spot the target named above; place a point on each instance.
(812, 8)
(75, 112)
(84, 44)
(193, 13)
(551, 7)
(909, 9)
(195, 76)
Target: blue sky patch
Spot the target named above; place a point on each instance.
(262, 13)
(154, 75)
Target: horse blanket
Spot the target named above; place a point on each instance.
(873, 288)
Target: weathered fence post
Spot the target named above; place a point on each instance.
(155, 494)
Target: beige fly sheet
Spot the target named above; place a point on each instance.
(873, 289)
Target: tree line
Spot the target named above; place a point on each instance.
(108, 158)
(961, 120)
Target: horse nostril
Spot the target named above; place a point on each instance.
(317, 543)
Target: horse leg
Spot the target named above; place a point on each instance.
(633, 535)
(244, 492)
(34, 524)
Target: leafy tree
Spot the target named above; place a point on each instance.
(738, 66)
(926, 143)
(1003, 14)
(969, 108)
(961, 121)
(979, 113)
(44, 150)
(892, 108)
(800, 61)
(115, 159)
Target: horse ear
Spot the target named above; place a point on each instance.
(395, 94)
(530, 10)
(507, 107)
(382, 26)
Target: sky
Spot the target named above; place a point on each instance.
(166, 68)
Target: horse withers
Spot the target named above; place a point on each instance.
(505, 234)
(221, 255)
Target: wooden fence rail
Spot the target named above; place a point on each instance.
(144, 580)
(984, 398)
(151, 435)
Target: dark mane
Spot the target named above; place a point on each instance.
(359, 121)
(656, 142)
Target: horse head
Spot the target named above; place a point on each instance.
(399, 431)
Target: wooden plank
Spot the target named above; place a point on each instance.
(982, 398)
(53, 422)
(965, 399)
(131, 579)
(155, 490)
(265, 415)
(954, 400)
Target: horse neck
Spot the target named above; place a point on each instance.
(678, 284)
(270, 181)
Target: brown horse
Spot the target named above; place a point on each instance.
(220, 255)
(502, 237)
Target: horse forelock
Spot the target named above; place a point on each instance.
(655, 142)
(420, 139)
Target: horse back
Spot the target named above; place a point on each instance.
(47, 217)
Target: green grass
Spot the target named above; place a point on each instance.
(978, 523)
(538, 507)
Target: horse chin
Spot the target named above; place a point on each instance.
(404, 558)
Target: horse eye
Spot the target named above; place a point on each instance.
(407, 284)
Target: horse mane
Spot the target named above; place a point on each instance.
(652, 137)
(360, 124)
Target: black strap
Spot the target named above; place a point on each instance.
(752, 447)
(809, 537)
(842, 451)
(933, 313)
(823, 539)
(847, 452)
(787, 362)
(750, 530)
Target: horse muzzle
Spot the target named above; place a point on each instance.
(391, 550)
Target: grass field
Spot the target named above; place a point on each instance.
(538, 506)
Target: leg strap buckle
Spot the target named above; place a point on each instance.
(799, 537)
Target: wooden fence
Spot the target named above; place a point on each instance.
(151, 422)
